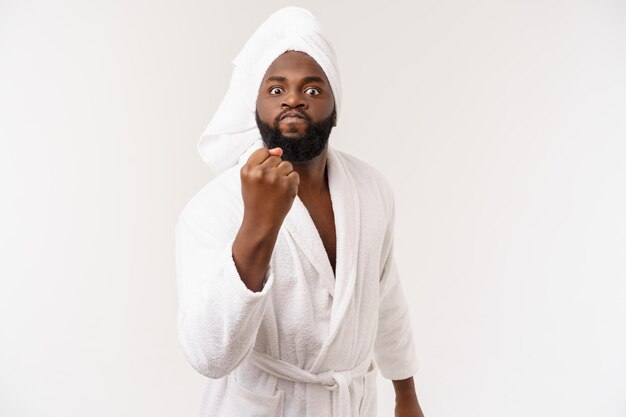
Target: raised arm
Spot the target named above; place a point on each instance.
(269, 186)
(223, 268)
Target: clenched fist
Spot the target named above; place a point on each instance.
(269, 186)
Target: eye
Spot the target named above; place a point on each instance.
(275, 90)
(312, 91)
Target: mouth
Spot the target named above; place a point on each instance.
(292, 117)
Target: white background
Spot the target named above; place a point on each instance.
(500, 124)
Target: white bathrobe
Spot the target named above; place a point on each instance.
(309, 344)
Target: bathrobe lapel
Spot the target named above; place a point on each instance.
(302, 230)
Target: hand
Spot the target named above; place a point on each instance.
(408, 409)
(269, 186)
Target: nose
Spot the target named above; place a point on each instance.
(294, 99)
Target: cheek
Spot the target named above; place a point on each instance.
(329, 105)
(266, 114)
(324, 110)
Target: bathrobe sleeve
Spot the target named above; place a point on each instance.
(219, 317)
(394, 348)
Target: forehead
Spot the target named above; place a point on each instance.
(293, 64)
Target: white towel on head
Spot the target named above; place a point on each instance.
(232, 130)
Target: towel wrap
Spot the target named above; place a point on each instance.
(233, 128)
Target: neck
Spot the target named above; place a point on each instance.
(312, 174)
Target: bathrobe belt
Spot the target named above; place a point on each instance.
(336, 381)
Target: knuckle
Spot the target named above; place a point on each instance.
(272, 179)
(257, 156)
(257, 175)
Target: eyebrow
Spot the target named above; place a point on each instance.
(276, 78)
(313, 78)
(305, 80)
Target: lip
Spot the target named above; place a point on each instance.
(292, 115)
(292, 119)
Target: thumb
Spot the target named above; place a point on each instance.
(276, 152)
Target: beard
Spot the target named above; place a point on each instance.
(302, 148)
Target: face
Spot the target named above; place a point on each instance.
(295, 107)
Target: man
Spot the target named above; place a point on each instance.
(289, 297)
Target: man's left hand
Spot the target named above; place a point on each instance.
(409, 409)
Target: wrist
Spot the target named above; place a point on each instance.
(406, 398)
(405, 391)
(258, 230)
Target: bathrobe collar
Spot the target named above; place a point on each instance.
(299, 225)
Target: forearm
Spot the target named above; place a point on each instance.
(406, 399)
(252, 251)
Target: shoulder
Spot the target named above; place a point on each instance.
(367, 177)
(217, 205)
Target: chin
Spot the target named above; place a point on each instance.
(292, 133)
